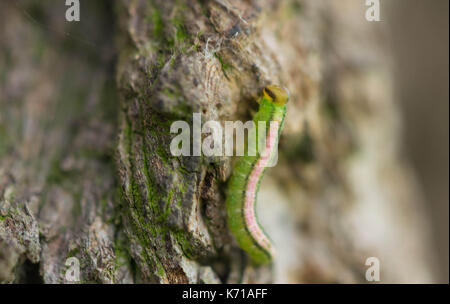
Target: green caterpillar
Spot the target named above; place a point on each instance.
(248, 171)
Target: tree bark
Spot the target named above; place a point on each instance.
(85, 165)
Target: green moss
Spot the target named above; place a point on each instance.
(158, 23)
(128, 136)
(178, 21)
(149, 184)
(225, 66)
(171, 63)
(153, 197)
(170, 93)
(162, 154)
(74, 252)
(185, 243)
(160, 271)
(166, 213)
(182, 110)
(181, 34)
(122, 255)
(164, 43)
(141, 225)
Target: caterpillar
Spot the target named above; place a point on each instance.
(244, 182)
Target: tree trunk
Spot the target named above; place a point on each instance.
(85, 165)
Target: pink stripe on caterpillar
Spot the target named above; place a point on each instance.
(250, 193)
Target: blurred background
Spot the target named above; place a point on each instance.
(418, 32)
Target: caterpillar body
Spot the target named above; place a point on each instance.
(244, 183)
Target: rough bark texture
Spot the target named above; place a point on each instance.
(57, 130)
(132, 212)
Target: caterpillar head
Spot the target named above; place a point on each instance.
(276, 94)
